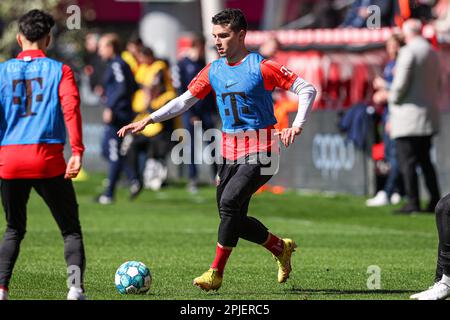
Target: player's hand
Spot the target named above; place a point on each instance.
(380, 96)
(134, 127)
(379, 83)
(73, 167)
(287, 135)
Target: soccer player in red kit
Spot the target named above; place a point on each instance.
(243, 82)
(38, 98)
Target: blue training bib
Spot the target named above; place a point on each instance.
(242, 100)
(30, 110)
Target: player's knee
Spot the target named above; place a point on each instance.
(228, 205)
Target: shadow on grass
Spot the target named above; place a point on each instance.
(343, 291)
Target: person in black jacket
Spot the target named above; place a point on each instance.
(119, 86)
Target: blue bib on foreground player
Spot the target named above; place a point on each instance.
(30, 110)
(242, 100)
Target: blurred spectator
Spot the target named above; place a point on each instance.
(202, 112)
(327, 14)
(413, 114)
(423, 9)
(147, 151)
(93, 71)
(270, 47)
(443, 16)
(94, 67)
(119, 87)
(358, 13)
(314, 14)
(417, 9)
(130, 55)
(391, 190)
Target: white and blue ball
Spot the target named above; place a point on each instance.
(133, 277)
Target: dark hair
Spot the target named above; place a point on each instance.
(146, 51)
(398, 38)
(135, 39)
(113, 41)
(198, 40)
(234, 17)
(35, 25)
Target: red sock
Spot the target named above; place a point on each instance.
(274, 245)
(220, 261)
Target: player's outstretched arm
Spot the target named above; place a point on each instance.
(135, 127)
(306, 95)
(170, 110)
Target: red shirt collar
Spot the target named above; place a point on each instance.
(31, 53)
(237, 63)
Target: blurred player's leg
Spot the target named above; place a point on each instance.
(15, 195)
(407, 159)
(439, 266)
(443, 226)
(59, 194)
(429, 172)
(137, 147)
(111, 151)
(193, 173)
(441, 289)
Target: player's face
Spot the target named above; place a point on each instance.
(226, 40)
(105, 49)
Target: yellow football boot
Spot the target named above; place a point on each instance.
(210, 280)
(284, 260)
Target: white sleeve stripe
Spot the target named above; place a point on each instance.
(306, 95)
(174, 107)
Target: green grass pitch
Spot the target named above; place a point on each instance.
(174, 233)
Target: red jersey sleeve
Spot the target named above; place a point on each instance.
(200, 85)
(70, 103)
(276, 75)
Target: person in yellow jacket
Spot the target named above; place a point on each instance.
(155, 90)
(130, 55)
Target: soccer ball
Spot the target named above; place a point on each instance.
(133, 277)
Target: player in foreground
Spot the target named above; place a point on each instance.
(243, 82)
(441, 288)
(38, 96)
